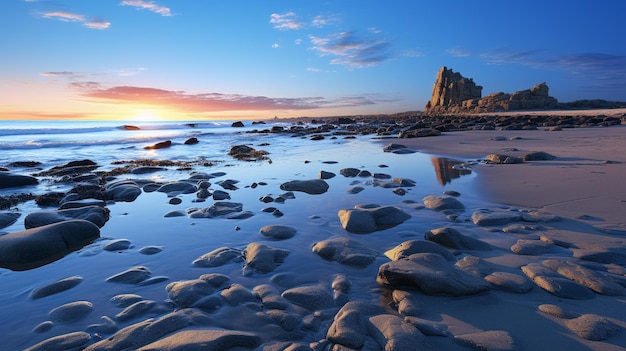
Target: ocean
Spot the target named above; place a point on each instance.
(183, 239)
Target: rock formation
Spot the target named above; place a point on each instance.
(453, 93)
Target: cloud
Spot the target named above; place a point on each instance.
(65, 74)
(93, 22)
(275, 46)
(286, 21)
(411, 53)
(97, 23)
(148, 5)
(350, 50)
(210, 102)
(64, 16)
(458, 52)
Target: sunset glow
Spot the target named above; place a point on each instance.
(248, 60)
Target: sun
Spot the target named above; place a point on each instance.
(145, 116)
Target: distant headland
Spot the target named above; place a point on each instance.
(453, 93)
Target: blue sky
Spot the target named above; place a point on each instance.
(190, 59)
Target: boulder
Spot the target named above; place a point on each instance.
(410, 247)
(592, 327)
(159, 145)
(492, 218)
(70, 341)
(453, 239)
(8, 218)
(217, 257)
(8, 180)
(94, 214)
(367, 219)
(205, 339)
(278, 232)
(441, 203)
(247, 153)
(392, 334)
(36, 247)
(346, 251)
(311, 186)
(432, 274)
(490, 340)
(263, 258)
(311, 297)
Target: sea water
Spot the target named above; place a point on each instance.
(184, 239)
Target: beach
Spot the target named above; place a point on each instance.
(343, 242)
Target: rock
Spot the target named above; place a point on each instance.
(450, 90)
(72, 167)
(247, 153)
(441, 203)
(175, 188)
(124, 190)
(70, 341)
(475, 265)
(311, 297)
(373, 218)
(133, 275)
(326, 175)
(557, 311)
(205, 339)
(117, 245)
(8, 180)
(147, 169)
(533, 247)
(217, 257)
(36, 247)
(219, 209)
(55, 287)
(432, 274)
(107, 327)
(278, 232)
(537, 156)
(392, 334)
(510, 282)
(355, 190)
(419, 133)
(312, 186)
(8, 218)
(453, 239)
(594, 280)
(270, 297)
(410, 247)
(492, 218)
(159, 145)
(427, 327)
(71, 312)
(408, 303)
(191, 141)
(503, 159)
(345, 251)
(592, 327)
(392, 147)
(562, 287)
(125, 300)
(263, 258)
(491, 340)
(349, 172)
(185, 293)
(237, 124)
(237, 294)
(349, 326)
(219, 195)
(95, 214)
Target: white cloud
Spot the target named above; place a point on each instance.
(148, 5)
(350, 50)
(458, 52)
(97, 23)
(275, 46)
(298, 41)
(286, 21)
(64, 16)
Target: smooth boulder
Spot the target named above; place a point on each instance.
(36, 247)
(311, 186)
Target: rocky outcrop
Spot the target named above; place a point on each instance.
(453, 93)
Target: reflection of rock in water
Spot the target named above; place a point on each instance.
(447, 169)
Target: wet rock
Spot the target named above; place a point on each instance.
(217, 257)
(538, 156)
(125, 300)
(8, 180)
(219, 195)
(43, 327)
(408, 303)
(106, 327)
(136, 310)
(557, 285)
(205, 339)
(427, 327)
(124, 190)
(35, 247)
(270, 297)
(55, 287)
(278, 232)
(592, 327)
(191, 141)
(491, 340)
(71, 312)
(557, 311)
(237, 294)
(326, 175)
(452, 238)
(175, 188)
(355, 189)
(185, 293)
(263, 258)
(133, 275)
(247, 153)
(237, 124)
(95, 214)
(392, 334)
(367, 219)
(117, 245)
(147, 169)
(432, 274)
(441, 203)
(311, 297)
(346, 251)
(8, 218)
(410, 247)
(493, 218)
(159, 145)
(349, 172)
(68, 341)
(475, 265)
(311, 186)
(218, 209)
(349, 326)
(503, 159)
(510, 282)
(594, 280)
(533, 247)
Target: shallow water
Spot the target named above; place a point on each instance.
(184, 239)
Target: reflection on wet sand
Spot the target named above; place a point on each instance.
(447, 169)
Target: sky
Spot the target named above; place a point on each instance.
(204, 59)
